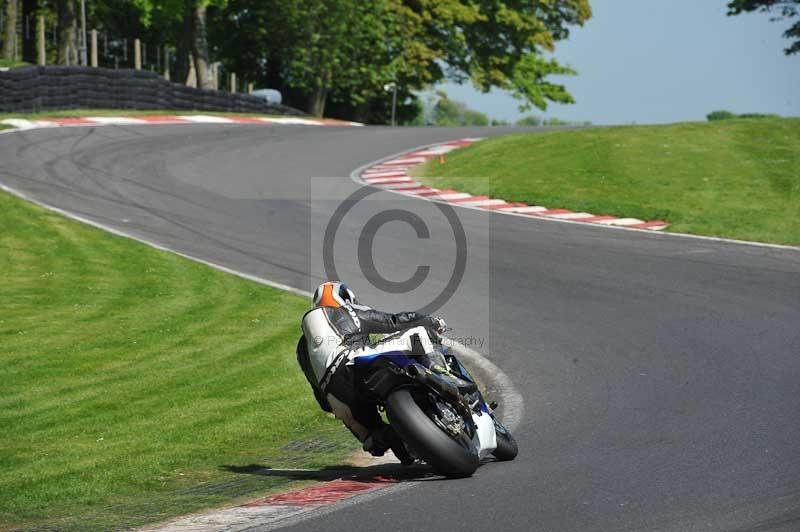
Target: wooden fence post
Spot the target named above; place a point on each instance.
(94, 48)
(137, 54)
(41, 48)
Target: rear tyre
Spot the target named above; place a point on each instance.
(506, 444)
(452, 457)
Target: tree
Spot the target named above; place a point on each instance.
(180, 24)
(67, 33)
(30, 9)
(780, 10)
(195, 12)
(10, 30)
(447, 112)
(315, 51)
(346, 51)
(494, 43)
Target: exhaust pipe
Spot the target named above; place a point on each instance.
(422, 375)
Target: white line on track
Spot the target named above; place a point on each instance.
(207, 119)
(116, 120)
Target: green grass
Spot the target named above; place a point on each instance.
(5, 63)
(737, 178)
(130, 377)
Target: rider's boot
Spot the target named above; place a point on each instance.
(386, 438)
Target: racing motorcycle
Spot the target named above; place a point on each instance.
(434, 405)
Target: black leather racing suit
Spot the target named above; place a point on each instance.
(329, 335)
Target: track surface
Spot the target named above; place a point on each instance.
(661, 375)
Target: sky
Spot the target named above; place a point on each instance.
(651, 61)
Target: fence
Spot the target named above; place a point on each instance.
(106, 50)
(37, 88)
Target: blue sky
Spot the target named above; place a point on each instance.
(651, 61)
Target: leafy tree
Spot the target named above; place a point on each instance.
(447, 112)
(346, 51)
(186, 22)
(494, 43)
(341, 54)
(318, 50)
(780, 10)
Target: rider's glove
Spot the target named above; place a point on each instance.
(439, 325)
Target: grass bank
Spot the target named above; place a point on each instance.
(133, 383)
(736, 178)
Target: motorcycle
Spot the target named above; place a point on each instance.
(434, 405)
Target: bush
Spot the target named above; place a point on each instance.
(471, 117)
(727, 115)
(529, 121)
(720, 115)
(758, 115)
(556, 122)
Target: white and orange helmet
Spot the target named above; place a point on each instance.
(333, 294)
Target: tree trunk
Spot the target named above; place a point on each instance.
(316, 102)
(362, 112)
(67, 33)
(184, 47)
(274, 78)
(318, 96)
(200, 45)
(10, 31)
(30, 10)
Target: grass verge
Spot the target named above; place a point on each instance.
(737, 178)
(5, 63)
(134, 383)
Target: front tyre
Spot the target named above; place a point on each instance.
(506, 444)
(452, 457)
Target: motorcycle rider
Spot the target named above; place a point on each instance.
(336, 331)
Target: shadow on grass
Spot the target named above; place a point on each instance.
(390, 472)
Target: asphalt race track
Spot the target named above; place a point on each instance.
(661, 375)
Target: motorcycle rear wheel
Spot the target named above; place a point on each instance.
(453, 457)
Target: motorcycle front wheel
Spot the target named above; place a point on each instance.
(452, 456)
(506, 444)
